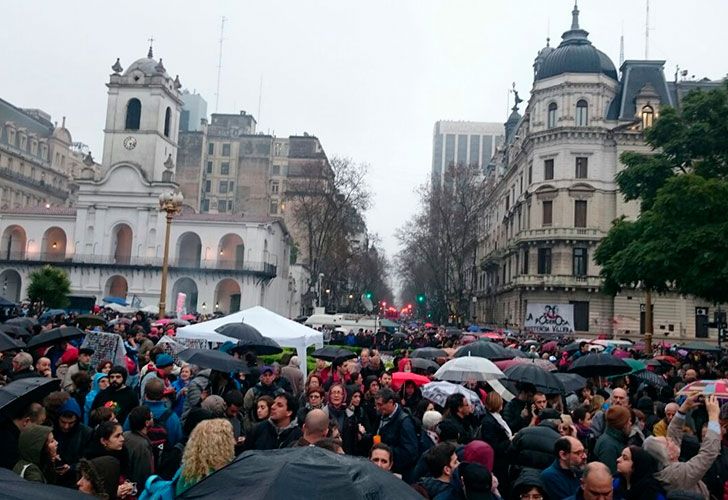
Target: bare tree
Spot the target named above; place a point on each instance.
(438, 243)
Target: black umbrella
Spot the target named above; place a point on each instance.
(7, 343)
(572, 382)
(301, 474)
(544, 381)
(217, 360)
(428, 353)
(55, 336)
(599, 365)
(14, 330)
(331, 353)
(90, 321)
(22, 321)
(15, 396)
(17, 488)
(452, 331)
(483, 349)
(424, 364)
(517, 353)
(650, 378)
(700, 346)
(249, 339)
(262, 347)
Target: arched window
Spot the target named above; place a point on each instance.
(551, 122)
(648, 116)
(582, 113)
(167, 121)
(133, 114)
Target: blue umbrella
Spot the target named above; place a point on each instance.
(473, 328)
(52, 312)
(115, 300)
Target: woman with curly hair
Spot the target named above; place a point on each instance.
(211, 447)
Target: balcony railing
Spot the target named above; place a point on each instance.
(265, 269)
(557, 280)
(569, 233)
(33, 183)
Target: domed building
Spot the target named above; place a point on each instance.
(554, 196)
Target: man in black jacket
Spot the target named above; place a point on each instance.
(73, 438)
(117, 396)
(280, 430)
(534, 446)
(459, 411)
(397, 430)
(10, 430)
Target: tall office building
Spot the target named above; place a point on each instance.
(465, 143)
(194, 109)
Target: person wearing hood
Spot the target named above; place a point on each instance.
(38, 452)
(477, 482)
(73, 438)
(292, 372)
(280, 430)
(99, 477)
(99, 382)
(528, 485)
(118, 396)
(82, 364)
(533, 446)
(482, 454)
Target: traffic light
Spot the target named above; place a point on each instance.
(368, 295)
(421, 298)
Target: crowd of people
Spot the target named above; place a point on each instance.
(124, 431)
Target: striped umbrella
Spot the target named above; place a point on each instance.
(718, 388)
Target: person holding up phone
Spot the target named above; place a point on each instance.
(686, 476)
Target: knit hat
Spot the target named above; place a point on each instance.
(617, 417)
(215, 404)
(164, 360)
(430, 419)
(479, 452)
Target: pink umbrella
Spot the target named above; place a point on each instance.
(542, 363)
(163, 322)
(189, 317)
(620, 353)
(551, 345)
(493, 336)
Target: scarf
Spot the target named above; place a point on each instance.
(498, 418)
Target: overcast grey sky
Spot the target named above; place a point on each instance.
(368, 78)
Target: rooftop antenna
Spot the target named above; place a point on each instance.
(260, 96)
(219, 64)
(647, 30)
(621, 47)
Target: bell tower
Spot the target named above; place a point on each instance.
(142, 118)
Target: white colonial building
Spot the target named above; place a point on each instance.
(553, 194)
(111, 241)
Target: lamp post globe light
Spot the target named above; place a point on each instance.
(170, 203)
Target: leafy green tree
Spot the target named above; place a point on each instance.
(49, 287)
(680, 240)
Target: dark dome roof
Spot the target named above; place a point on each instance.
(576, 54)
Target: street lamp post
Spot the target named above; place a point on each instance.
(171, 204)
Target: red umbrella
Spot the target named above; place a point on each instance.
(399, 378)
(493, 336)
(620, 353)
(429, 325)
(189, 317)
(668, 359)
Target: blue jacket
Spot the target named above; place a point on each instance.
(173, 425)
(559, 482)
(92, 395)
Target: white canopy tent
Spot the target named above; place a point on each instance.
(284, 331)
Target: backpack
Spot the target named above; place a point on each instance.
(157, 488)
(157, 434)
